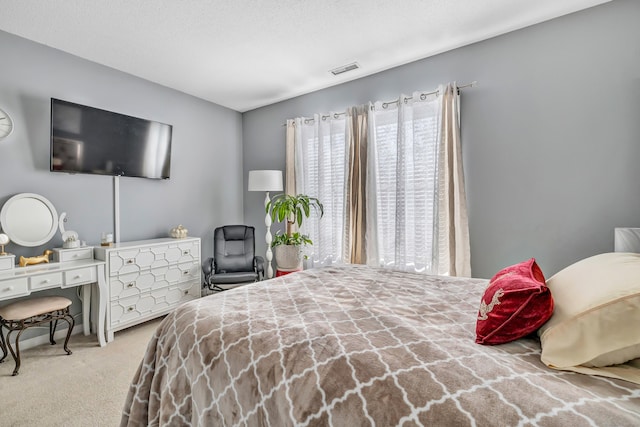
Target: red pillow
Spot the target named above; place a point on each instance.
(516, 303)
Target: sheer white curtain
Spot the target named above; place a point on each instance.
(320, 147)
(401, 181)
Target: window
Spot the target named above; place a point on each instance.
(408, 210)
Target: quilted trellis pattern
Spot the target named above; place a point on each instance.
(354, 346)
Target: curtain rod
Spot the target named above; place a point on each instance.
(423, 96)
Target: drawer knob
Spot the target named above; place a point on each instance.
(131, 285)
(10, 288)
(185, 272)
(130, 309)
(186, 292)
(185, 253)
(77, 276)
(129, 261)
(46, 281)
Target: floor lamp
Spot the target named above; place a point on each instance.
(626, 239)
(266, 180)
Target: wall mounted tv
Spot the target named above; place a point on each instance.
(93, 141)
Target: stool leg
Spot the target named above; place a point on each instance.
(52, 330)
(71, 321)
(3, 345)
(16, 355)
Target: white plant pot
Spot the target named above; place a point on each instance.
(288, 256)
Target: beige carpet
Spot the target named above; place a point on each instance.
(87, 388)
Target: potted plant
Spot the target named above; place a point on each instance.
(292, 209)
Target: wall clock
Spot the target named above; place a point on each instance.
(6, 124)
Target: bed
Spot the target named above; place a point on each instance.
(357, 346)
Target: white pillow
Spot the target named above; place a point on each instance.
(596, 320)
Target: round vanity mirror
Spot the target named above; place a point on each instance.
(29, 219)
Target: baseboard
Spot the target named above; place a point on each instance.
(59, 337)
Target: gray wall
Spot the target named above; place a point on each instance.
(551, 134)
(205, 189)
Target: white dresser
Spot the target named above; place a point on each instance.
(148, 278)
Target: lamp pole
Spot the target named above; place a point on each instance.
(266, 180)
(268, 237)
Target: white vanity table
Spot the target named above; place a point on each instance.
(22, 281)
(30, 220)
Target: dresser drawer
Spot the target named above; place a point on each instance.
(189, 290)
(127, 285)
(14, 288)
(79, 276)
(183, 272)
(64, 255)
(44, 281)
(187, 252)
(7, 262)
(158, 301)
(124, 261)
(129, 309)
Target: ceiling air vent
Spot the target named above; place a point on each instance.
(345, 68)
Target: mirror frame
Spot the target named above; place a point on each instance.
(17, 239)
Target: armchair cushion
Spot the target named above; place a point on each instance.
(239, 277)
(234, 248)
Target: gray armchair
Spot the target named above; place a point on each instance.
(234, 260)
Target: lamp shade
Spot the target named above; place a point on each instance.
(265, 180)
(626, 239)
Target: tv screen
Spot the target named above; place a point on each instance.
(93, 141)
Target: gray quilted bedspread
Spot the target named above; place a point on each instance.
(356, 346)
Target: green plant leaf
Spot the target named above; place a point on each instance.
(293, 209)
(296, 239)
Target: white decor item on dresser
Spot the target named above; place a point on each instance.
(70, 238)
(7, 260)
(4, 240)
(626, 239)
(148, 278)
(178, 232)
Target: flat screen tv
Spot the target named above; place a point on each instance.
(94, 141)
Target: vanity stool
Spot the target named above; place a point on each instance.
(21, 315)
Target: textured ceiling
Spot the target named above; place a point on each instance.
(244, 54)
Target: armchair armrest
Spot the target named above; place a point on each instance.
(208, 268)
(258, 264)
